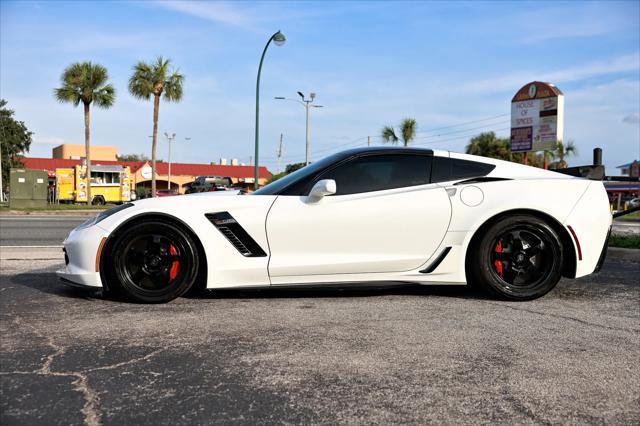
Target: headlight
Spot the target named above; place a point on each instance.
(103, 215)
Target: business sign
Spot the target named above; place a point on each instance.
(537, 117)
(146, 172)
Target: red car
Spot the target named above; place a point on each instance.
(166, 192)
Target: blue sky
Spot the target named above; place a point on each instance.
(370, 63)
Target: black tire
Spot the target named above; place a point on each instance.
(516, 258)
(151, 261)
(98, 200)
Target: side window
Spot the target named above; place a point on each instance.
(446, 169)
(379, 172)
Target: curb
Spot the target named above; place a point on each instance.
(30, 253)
(83, 213)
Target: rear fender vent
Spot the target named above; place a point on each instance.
(235, 234)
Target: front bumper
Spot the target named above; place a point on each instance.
(81, 249)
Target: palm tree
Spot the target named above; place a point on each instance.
(389, 135)
(563, 151)
(156, 79)
(408, 130)
(87, 83)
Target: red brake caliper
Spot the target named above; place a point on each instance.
(175, 266)
(497, 263)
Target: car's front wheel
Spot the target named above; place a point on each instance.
(516, 258)
(151, 261)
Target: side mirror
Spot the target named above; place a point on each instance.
(322, 188)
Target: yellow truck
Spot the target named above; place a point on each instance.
(109, 184)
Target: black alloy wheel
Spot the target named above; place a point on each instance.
(151, 262)
(518, 258)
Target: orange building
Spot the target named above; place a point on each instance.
(68, 151)
(182, 174)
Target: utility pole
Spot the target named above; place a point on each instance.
(368, 140)
(170, 139)
(306, 103)
(1, 190)
(279, 153)
(251, 160)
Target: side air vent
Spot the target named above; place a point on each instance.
(429, 269)
(235, 234)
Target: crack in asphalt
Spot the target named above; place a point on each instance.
(547, 314)
(91, 408)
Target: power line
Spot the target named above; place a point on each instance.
(463, 130)
(437, 141)
(458, 137)
(354, 142)
(465, 123)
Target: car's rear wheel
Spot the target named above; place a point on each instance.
(151, 262)
(516, 258)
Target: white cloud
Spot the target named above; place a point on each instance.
(633, 118)
(624, 63)
(100, 41)
(220, 12)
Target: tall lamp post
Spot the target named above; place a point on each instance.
(170, 138)
(279, 39)
(306, 103)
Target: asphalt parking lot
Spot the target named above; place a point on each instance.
(363, 356)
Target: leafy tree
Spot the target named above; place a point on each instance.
(133, 157)
(86, 83)
(155, 80)
(389, 135)
(408, 128)
(562, 152)
(15, 139)
(290, 168)
(488, 145)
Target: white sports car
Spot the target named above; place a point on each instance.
(401, 215)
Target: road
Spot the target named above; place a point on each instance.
(362, 356)
(52, 230)
(36, 230)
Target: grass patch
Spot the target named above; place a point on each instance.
(631, 216)
(626, 241)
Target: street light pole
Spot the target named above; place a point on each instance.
(306, 155)
(306, 103)
(170, 139)
(279, 39)
(1, 189)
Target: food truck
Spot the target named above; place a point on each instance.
(109, 184)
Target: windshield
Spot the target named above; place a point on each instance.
(280, 184)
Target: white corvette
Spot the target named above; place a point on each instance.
(399, 215)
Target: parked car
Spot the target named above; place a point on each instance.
(634, 203)
(384, 214)
(166, 192)
(209, 183)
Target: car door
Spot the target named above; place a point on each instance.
(384, 217)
